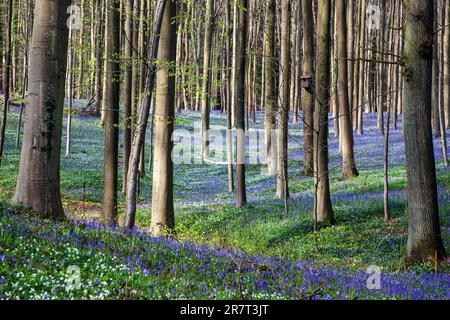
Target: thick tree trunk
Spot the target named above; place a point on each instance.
(38, 179)
(424, 232)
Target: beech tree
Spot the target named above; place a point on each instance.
(143, 117)
(127, 99)
(6, 77)
(349, 166)
(285, 70)
(424, 232)
(162, 196)
(270, 102)
(307, 96)
(323, 210)
(240, 51)
(38, 181)
(111, 111)
(206, 87)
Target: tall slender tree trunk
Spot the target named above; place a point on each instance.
(269, 92)
(25, 69)
(424, 232)
(80, 82)
(229, 98)
(70, 78)
(435, 96)
(323, 210)
(362, 69)
(144, 114)
(98, 57)
(240, 51)
(207, 74)
(127, 102)
(111, 112)
(307, 95)
(162, 198)
(387, 213)
(38, 182)
(2, 32)
(6, 77)
(348, 166)
(282, 180)
(446, 84)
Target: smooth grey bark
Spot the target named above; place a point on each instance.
(6, 77)
(111, 112)
(127, 102)
(323, 211)
(307, 96)
(285, 70)
(38, 182)
(348, 166)
(162, 196)
(206, 78)
(270, 103)
(424, 232)
(240, 51)
(143, 117)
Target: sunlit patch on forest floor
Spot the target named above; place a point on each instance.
(206, 214)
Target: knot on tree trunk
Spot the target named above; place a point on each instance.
(426, 48)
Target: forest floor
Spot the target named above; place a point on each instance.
(206, 215)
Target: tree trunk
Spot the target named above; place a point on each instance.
(228, 99)
(98, 57)
(269, 93)
(127, 103)
(282, 180)
(323, 211)
(38, 179)
(162, 198)
(111, 112)
(446, 83)
(307, 96)
(424, 232)
(6, 78)
(240, 51)
(206, 87)
(348, 166)
(144, 114)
